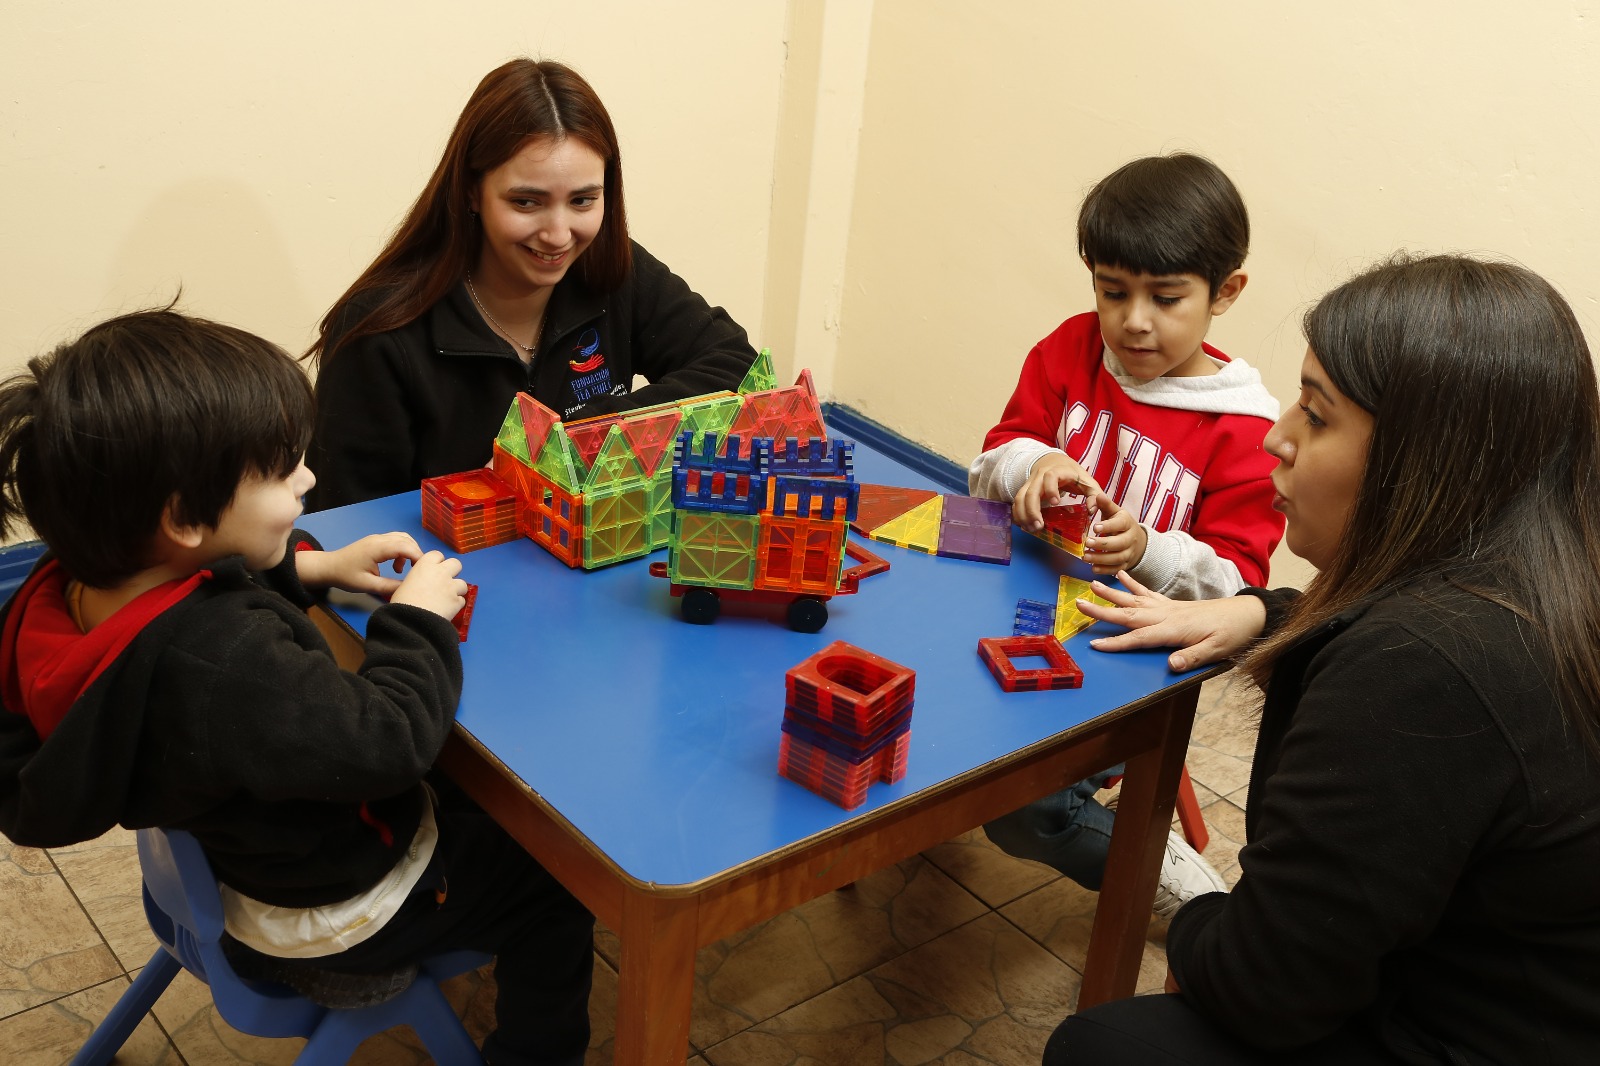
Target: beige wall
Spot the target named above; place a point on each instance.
(883, 190)
(259, 154)
(1352, 129)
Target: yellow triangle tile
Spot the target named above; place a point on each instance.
(917, 529)
(1069, 620)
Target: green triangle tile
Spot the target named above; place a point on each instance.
(760, 376)
(558, 460)
(614, 461)
(710, 416)
(511, 436)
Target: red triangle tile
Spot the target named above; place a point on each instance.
(884, 503)
(652, 436)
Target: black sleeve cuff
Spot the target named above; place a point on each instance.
(1277, 603)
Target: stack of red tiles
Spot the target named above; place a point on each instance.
(470, 510)
(846, 723)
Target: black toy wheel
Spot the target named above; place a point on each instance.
(808, 614)
(701, 606)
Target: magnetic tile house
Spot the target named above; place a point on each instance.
(599, 490)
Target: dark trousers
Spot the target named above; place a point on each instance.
(1165, 1030)
(497, 899)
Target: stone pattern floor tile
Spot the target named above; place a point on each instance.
(104, 875)
(51, 1034)
(987, 872)
(982, 993)
(1226, 823)
(1060, 915)
(48, 946)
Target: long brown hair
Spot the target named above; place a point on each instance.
(440, 238)
(1484, 458)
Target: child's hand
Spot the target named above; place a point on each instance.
(1116, 540)
(1053, 476)
(357, 567)
(434, 586)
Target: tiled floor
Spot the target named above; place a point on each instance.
(960, 956)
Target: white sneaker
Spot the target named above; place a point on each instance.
(1185, 874)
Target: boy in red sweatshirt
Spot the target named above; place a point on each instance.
(1162, 433)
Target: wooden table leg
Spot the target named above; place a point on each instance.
(1133, 869)
(655, 979)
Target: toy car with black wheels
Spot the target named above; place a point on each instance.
(805, 612)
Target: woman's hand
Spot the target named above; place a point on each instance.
(1203, 631)
(434, 586)
(1116, 541)
(1052, 476)
(357, 567)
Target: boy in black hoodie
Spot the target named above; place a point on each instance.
(158, 669)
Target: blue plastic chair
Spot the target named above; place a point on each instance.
(184, 908)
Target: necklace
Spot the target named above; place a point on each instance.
(496, 322)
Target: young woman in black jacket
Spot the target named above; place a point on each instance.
(1418, 883)
(512, 272)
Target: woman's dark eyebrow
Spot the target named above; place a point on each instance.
(1319, 388)
(529, 190)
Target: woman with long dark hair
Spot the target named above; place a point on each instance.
(512, 272)
(1419, 879)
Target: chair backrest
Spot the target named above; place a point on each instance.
(179, 881)
(184, 908)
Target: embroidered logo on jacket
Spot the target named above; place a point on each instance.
(594, 377)
(589, 355)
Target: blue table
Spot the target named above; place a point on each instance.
(635, 755)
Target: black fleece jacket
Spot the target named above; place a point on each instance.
(1423, 852)
(227, 716)
(428, 399)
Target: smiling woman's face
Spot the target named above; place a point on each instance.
(1321, 447)
(539, 210)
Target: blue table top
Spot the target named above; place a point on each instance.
(658, 740)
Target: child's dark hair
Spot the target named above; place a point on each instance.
(1166, 214)
(98, 436)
